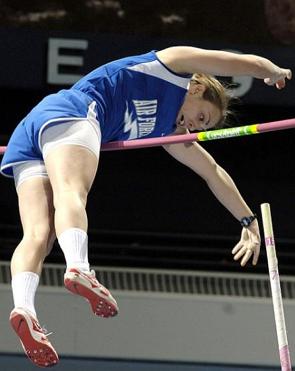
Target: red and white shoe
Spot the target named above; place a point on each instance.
(33, 338)
(85, 284)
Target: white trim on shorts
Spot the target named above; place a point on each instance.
(12, 164)
(91, 118)
(27, 170)
(84, 132)
(81, 133)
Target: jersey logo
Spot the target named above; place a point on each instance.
(141, 119)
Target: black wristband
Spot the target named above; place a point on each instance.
(247, 220)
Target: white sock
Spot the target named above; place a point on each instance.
(24, 286)
(74, 244)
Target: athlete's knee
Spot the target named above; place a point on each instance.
(39, 235)
(70, 198)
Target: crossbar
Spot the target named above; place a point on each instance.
(198, 137)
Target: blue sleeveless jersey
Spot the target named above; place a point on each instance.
(135, 97)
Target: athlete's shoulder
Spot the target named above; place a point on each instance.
(151, 65)
(133, 60)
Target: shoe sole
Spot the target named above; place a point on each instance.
(39, 353)
(101, 306)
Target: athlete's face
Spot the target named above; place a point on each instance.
(197, 113)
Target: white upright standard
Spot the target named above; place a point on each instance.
(275, 288)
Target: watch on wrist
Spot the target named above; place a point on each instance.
(247, 220)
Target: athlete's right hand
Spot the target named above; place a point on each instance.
(278, 78)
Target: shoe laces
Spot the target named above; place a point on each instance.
(45, 331)
(92, 273)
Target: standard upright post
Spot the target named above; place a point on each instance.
(276, 288)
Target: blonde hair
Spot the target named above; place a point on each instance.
(215, 93)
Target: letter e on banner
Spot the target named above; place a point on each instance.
(55, 59)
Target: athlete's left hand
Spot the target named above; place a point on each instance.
(248, 246)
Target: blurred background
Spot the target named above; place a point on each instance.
(149, 217)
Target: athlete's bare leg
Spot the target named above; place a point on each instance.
(36, 213)
(71, 170)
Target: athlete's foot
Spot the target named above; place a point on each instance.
(33, 338)
(85, 284)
